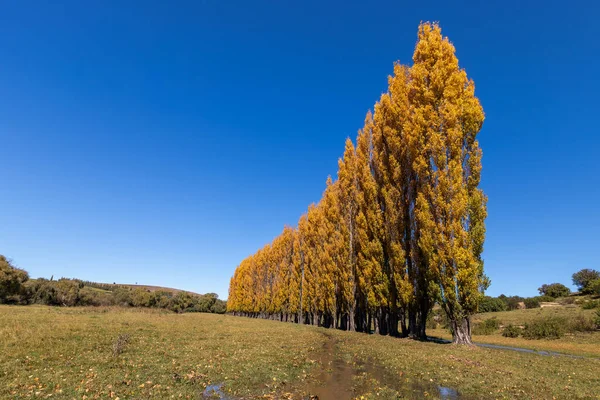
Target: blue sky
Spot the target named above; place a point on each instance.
(161, 144)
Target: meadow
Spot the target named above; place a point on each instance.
(131, 353)
(575, 343)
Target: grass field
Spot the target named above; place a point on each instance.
(48, 352)
(578, 343)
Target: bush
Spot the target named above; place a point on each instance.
(567, 300)
(545, 299)
(582, 324)
(532, 302)
(492, 304)
(511, 331)
(546, 328)
(554, 290)
(590, 305)
(11, 282)
(597, 319)
(512, 303)
(486, 327)
(120, 343)
(594, 287)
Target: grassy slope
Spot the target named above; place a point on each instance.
(155, 288)
(587, 344)
(133, 286)
(67, 352)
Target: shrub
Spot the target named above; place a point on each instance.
(511, 331)
(486, 327)
(532, 302)
(546, 328)
(583, 278)
(431, 323)
(512, 302)
(597, 319)
(590, 305)
(567, 300)
(120, 343)
(492, 304)
(554, 290)
(594, 287)
(11, 281)
(545, 299)
(582, 324)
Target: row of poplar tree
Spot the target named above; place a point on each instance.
(402, 227)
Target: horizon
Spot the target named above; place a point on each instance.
(165, 147)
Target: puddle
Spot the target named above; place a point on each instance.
(447, 393)
(214, 392)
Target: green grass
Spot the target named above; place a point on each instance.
(521, 317)
(48, 352)
(578, 343)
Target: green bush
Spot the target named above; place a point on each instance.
(546, 328)
(594, 287)
(590, 305)
(545, 299)
(512, 302)
(554, 290)
(597, 319)
(511, 331)
(12, 280)
(492, 304)
(532, 302)
(486, 327)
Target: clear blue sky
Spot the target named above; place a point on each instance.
(161, 142)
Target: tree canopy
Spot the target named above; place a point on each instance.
(583, 279)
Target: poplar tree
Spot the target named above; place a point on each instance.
(348, 178)
(450, 208)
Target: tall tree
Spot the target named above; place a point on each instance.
(348, 178)
(450, 208)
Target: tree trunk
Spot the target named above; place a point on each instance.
(461, 331)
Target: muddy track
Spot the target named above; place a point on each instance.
(334, 379)
(340, 380)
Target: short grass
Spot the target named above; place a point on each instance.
(585, 344)
(68, 353)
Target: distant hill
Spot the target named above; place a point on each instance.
(151, 288)
(77, 292)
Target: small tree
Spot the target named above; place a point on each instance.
(583, 278)
(11, 280)
(554, 290)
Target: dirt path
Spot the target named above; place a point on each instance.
(334, 380)
(340, 380)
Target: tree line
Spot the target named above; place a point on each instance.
(17, 288)
(402, 226)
